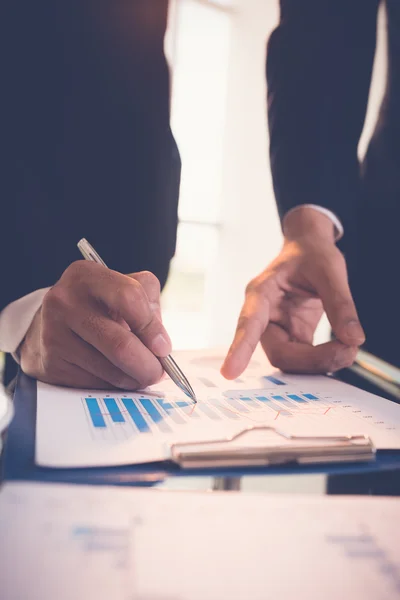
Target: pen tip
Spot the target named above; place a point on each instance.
(190, 394)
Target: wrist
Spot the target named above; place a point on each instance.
(306, 222)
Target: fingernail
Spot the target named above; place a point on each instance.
(161, 345)
(354, 330)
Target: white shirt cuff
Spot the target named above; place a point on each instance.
(16, 318)
(339, 231)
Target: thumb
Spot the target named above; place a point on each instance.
(333, 288)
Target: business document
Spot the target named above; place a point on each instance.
(67, 542)
(86, 428)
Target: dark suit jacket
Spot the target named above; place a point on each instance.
(86, 146)
(319, 66)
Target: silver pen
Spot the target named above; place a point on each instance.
(168, 363)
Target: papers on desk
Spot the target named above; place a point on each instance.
(83, 428)
(70, 542)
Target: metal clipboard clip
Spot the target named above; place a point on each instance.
(288, 448)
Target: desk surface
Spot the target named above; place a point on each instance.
(384, 479)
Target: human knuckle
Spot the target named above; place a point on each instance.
(342, 303)
(243, 322)
(264, 284)
(131, 294)
(121, 348)
(55, 299)
(149, 279)
(253, 286)
(77, 270)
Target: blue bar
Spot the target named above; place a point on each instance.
(274, 380)
(207, 411)
(237, 405)
(225, 411)
(95, 412)
(135, 415)
(114, 411)
(310, 397)
(250, 401)
(296, 398)
(283, 400)
(171, 411)
(154, 415)
(181, 404)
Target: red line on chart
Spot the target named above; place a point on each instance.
(327, 410)
(277, 415)
(191, 411)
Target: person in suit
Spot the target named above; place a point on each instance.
(87, 151)
(339, 217)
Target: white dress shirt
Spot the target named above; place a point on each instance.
(17, 317)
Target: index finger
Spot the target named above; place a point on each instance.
(252, 323)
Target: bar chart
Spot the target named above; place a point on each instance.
(123, 417)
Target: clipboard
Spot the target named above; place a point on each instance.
(18, 462)
(272, 446)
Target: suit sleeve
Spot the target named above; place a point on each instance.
(319, 66)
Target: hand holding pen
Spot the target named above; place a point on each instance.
(97, 328)
(169, 364)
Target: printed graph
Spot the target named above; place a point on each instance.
(121, 417)
(124, 417)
